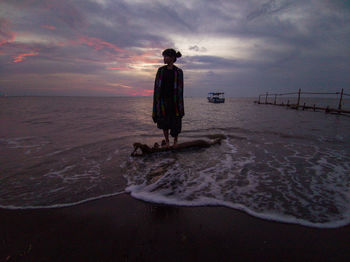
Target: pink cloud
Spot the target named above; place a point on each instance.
(126, 59)
(50, 27)
(99, 44)
(145, 92)
(119, 68)
(21, 57)
(62, 43)
(146, 58)
(105, 89)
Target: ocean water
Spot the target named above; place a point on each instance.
(275, 163)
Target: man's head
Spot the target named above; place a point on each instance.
(170, 55)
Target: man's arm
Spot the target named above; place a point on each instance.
(181, 93)
(155, 97)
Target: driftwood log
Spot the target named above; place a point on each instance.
(200, 143)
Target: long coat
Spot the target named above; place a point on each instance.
(158, 101)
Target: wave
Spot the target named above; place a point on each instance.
(288, 182)
(153, 197)
(13, 207)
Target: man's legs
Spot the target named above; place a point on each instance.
(175, 141)
(175, 126)
(166, 136)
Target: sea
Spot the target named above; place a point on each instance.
(276, 163)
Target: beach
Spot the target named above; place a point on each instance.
(121, 228)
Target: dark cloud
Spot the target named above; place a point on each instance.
(271, 7)
(212, 63)
(67, 11)
(197, 48)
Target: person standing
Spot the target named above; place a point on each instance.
(168, 103)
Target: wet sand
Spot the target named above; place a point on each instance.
(124, 229)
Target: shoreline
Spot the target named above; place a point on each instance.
(121, 228)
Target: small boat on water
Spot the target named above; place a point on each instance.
(216, 97)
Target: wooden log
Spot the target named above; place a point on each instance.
(146, 150)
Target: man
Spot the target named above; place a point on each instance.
(168, 105)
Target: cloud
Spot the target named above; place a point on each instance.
(5, 32)
(212, 63)
(197, 48)
(50, 27)
(21, 57)
(120, 85)
(271, 7)
(119, 68)
(145, 92)
(99, 44)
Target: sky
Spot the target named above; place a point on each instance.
(113, 47)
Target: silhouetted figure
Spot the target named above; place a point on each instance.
(168, 105)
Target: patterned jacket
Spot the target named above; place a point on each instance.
(158, 103)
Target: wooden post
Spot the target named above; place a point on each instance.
(266, 97)
(341, 98)
(259, 100)
(288, 102)
(314, 107)
(298, 98)
(304, 106)
(275, 100)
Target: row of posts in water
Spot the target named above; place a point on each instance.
(296, 106)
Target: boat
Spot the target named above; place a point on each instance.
(216, 97)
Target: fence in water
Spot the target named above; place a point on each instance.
(338, 109)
